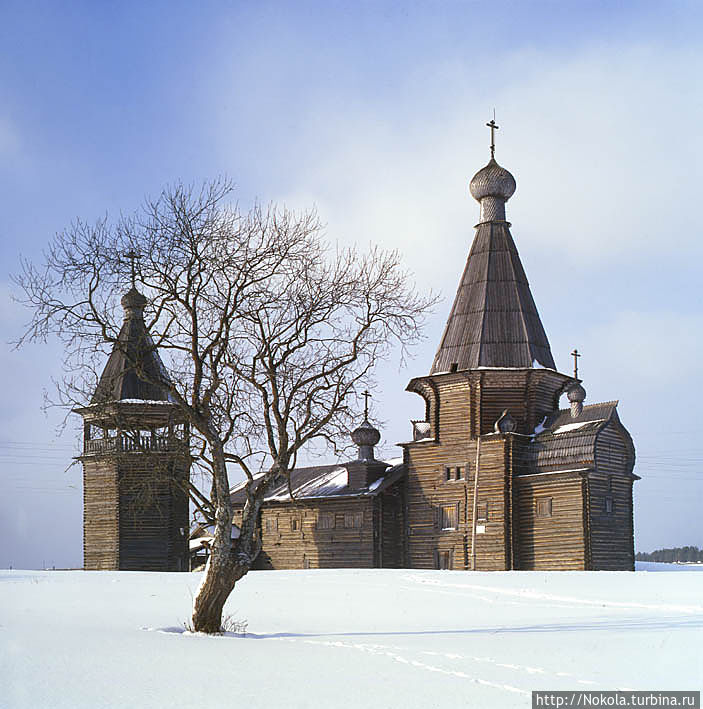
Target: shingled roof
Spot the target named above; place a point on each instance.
(494, 320)
(133, 350)
(320, 481)
(566, 443)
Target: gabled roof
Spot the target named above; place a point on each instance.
(320, 482)
(494, 320)
(134, 350)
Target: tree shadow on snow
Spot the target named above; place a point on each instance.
(625, 625)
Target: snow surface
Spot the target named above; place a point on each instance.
(347, 638)
(574, 426)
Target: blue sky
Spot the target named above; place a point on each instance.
(375, 112)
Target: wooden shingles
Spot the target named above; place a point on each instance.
(494, 320)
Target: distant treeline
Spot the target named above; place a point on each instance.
(675, 554)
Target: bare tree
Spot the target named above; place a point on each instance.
(268, 333)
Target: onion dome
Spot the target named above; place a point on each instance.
(505, 424)
(492, 186)
(366, 437)
(576, 395)
(133, 302)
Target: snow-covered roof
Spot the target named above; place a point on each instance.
(322, 481)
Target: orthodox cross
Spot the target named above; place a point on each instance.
(575, 354)
(494, 127)
(132, 255)
(366, 396)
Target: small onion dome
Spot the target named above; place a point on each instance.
(505, 424)
(492, 181)
(366, 435)
(133, 300)
(576, 394)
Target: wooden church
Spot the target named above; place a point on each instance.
(496, 476)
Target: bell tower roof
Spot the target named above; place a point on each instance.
(494, 321)
(134, 369)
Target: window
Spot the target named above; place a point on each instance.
(610, 483)
(272, 524)
(543, 507)
(609, 504)
(443, 559)
(449, 514)
(325, 521)
(353, 520)
(482, 511)
(295, 524)
(454, 473)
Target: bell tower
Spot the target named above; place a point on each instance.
(136, 459)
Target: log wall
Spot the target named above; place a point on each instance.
(135, 512)
(429, 491)
(100, 516)
(611, 523)
(292, 538)
(154, 522)
(553, 542)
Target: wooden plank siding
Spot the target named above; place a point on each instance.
(153, 514)
(557, 541)
(291, 537)
(135, 512)
(611, 523)
(100, 516)
(429, 490)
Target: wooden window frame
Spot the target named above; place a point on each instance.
(353, 520)
(295, 524)
(271, 524)
(326, 516)
(454, 507)
(446, 553)
(482, 511)
(608, 505)
(544, 513)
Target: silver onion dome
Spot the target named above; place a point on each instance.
(366, 437)
(492, 186)
(576, 395)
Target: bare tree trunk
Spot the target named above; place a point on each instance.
(214, 590)
(229, 560)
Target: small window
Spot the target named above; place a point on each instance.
(295, 524)
(353, 520)
(610, 483)
(482, 512)
(449, 516)
(448, 473)
(543, 507)
(326, 521)
(443, 559)
(459, 473)
(609, 504)
(272, 524)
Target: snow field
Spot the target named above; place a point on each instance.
(347, 638)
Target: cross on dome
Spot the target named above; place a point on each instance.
(494, 127)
